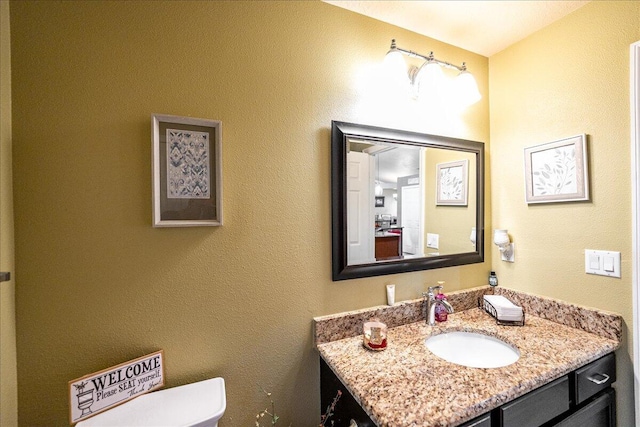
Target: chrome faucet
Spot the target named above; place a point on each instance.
(432, 302)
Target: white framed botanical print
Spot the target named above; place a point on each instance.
(187, 171)
(557, 171)
(452, 183)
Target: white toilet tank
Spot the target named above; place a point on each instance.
(199, 404)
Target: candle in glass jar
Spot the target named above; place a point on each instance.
(375, 335)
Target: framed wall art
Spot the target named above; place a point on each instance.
(379, 202)
(187, 171)
(451, 183)
(557, 171)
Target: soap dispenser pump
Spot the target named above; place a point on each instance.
(440, 310)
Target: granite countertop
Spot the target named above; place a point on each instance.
(406, 385)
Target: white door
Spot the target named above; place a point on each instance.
(361, 221)
(410, 220)
(635, 197)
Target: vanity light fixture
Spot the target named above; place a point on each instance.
(502, 241)
(428, 80)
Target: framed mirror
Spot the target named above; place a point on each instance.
(403, 201)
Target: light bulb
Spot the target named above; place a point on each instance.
(377, 189)
(467, 92)
(431, 81)
(396, 70)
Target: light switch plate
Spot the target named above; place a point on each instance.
(602, 263)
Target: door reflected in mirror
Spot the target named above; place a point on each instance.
(403, 201)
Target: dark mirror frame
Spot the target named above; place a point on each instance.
(340, 131)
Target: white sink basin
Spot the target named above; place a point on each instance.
(472, 349)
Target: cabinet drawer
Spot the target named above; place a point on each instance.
(594, 377)
(481, 421)
(526, 411)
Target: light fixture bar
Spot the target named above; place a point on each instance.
(426, 81)
(429, 58)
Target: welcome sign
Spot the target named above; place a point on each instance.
(102, 390)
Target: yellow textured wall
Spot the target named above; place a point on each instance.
(97, 285)
(8, 380)
(569, 78)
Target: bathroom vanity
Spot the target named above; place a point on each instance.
(570, 401)
(562, 378)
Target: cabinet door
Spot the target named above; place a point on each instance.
(599, 412)
(347, 408)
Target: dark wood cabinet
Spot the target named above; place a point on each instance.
(388, 246)
(347, 408)
(594, 377)
(583, 398)
(481, 421)
(526, 411)
(597, 412)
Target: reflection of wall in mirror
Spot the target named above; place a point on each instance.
(390, 204)
(452, 223)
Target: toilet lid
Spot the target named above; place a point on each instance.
(190, 405)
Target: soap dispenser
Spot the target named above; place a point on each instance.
(493, 279)
(440, 310)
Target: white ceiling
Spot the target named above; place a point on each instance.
(483, 27)
(400, 161)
